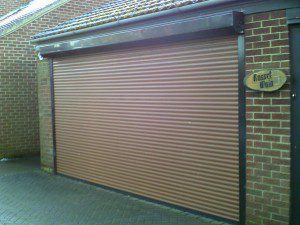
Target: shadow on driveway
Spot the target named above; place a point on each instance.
(29, 196)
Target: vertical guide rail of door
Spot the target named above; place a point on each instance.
(295, 136)
(53, 115)
(242, 128)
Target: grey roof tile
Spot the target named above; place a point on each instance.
(115, 11)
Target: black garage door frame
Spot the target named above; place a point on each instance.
(295, 124)
(242, 117)
(294, 35)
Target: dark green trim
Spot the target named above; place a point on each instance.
(242, 128)
(141, 43)
(294, 21)
(295, 124)
(293, 16)
(53, 114)
(227, 20)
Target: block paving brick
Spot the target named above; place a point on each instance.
(31, 197)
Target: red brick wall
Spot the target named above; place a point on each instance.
(19, 119)
(268, 122)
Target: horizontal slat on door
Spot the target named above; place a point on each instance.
(159, 121)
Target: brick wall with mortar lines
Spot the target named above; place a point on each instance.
(7, 6)
(19, 118)
(268, 122)
(45, 113)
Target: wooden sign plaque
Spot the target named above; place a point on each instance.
(265, 80)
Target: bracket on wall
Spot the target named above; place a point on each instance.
(238, 22)
(40, 56)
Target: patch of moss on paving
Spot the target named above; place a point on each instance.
(47, 170)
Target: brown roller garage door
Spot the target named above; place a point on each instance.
(158, 121)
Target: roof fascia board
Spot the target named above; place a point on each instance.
(34, 17)
(229, 20)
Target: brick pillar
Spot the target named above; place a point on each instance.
(268, 122)
(45, 115)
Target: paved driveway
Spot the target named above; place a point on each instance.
(29, 196)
